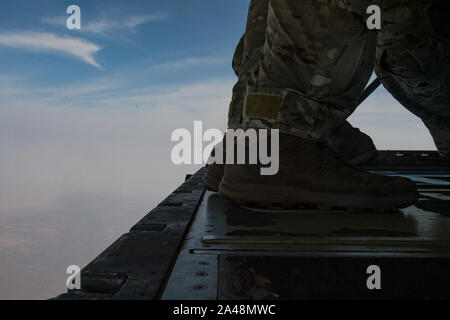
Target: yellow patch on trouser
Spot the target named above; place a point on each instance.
(262, 106)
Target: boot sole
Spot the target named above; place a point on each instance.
(286, 196)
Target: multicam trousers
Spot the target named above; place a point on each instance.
(302, 64)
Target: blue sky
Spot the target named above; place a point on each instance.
(147, 42)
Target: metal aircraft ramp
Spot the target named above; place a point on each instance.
(198, 245)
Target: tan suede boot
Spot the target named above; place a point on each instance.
(310, 174)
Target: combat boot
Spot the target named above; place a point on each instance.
(349, 143)
(310, 174)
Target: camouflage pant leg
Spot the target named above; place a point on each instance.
(246, 57)
(413, 60)
(317, 58)
(238, 55)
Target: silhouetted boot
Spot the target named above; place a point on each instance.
(311, 174)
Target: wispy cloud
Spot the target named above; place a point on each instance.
(108, 26)
(190, 62)
(48, 42)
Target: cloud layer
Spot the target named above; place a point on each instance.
(108, 27)
(193, 61)
(48, 42)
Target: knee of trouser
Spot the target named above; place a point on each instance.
(405, 24)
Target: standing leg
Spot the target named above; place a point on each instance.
(317, 58)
